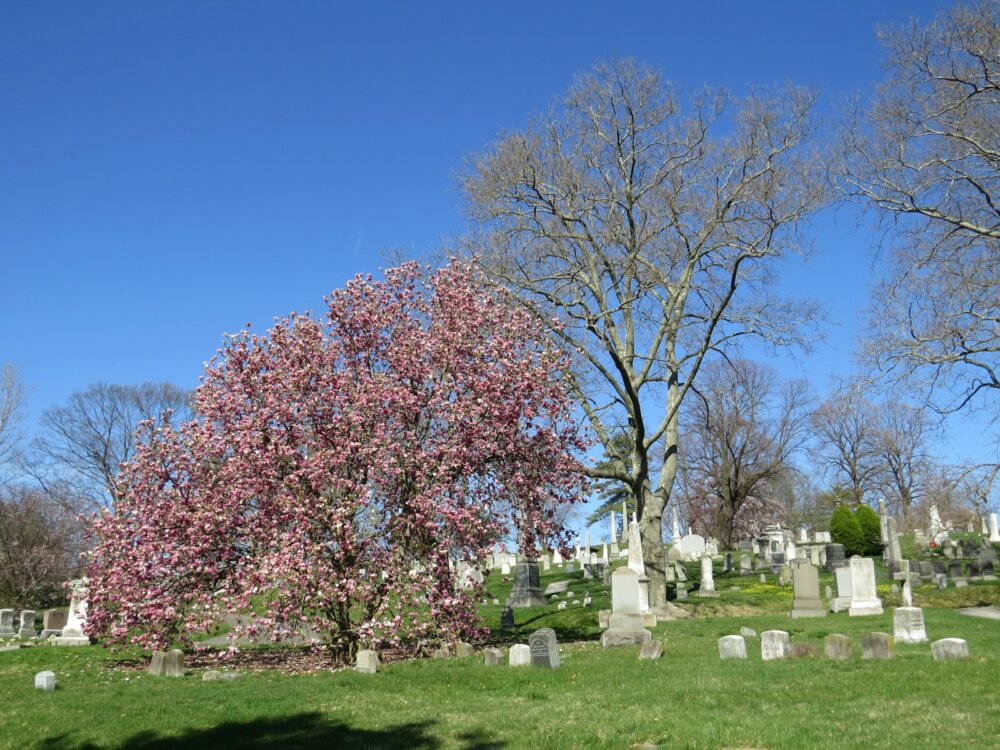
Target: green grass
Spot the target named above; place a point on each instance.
(598, 698)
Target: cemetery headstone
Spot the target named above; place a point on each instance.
(955, 569)
(801, 650)
(544, 648)
(948, 649)
(908, 625)
(864, 599)
(507, 617)
(707, 587)
(994, 528)
(837, 646)
(215, 675)
(773, 645)
(442, 652)
(651, 650)
(562, 605)
(746, 565)
(988, 574)
(691, 547)
(876, 646)
(53, 622)
(7, 623)
(519, 655)
(493, 657)
(72, 634)
(748, 632)
(367, 662)
(784, 574)
(464, 649)
(173, 663)
(526, 592)
(727, 564)
(836, 557)
(626, 625)
(27, 629)
(805, 585)
(732, 647)
(156, 663)
(45, 681)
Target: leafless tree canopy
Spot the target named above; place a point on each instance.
(926, 155)
(39, 549)
(742, 429)
(846, 447)
(12, 396)
(83, 442)
(902, 456)
(647, 240)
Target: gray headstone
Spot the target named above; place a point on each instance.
(367, 662)
(801, 650)
(156, 663)
(520, 655)
(507, 618)
(544, 648)
(837, 646)
(444, 652)
(836, 557)
(464, 649)
(45, 681)
(526, 592)
(864, 599)
(805, 585)
(214, 675)
(748, 632)
(948, 649)
(27, 624)
(493, 657)
(732, 647)
(7, 623)
(746, 565)
(651, 650)
(773, 645)
(876, 646)
(556, 587)
(173, 664)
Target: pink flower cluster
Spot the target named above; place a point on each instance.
(336, 465)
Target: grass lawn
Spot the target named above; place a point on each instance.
(598, 698)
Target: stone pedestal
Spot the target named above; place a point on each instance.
(526, 592)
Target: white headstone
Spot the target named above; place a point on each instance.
(635, 561)
(950, 648)
(72, 634)
(625, 591)
(908, 625)
(367, 662)
(614, 528)
(520, 655)
(773, 645)
(675, 525)
(732, 647)
(994, 529)
(691, 547)
(707, 587)
(864, 598)
(45, 681)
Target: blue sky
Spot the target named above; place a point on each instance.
(171, 171)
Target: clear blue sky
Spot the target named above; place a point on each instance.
(170, 171)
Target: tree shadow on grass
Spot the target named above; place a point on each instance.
(302, 731)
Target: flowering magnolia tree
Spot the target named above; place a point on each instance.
(334, 467)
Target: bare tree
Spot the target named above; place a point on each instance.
(39, 548)
(12, 397)
(845, 430)
(926, 156)
(741, 433)
(83, 442)
(647, 242)
(901, 455)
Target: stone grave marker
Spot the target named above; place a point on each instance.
(45, 681)
(7, 623)
(746, 565)
(876, 646)
(805, 586)
(544, 648)
(727, 564)
(732, 647)
(157, 663)
(519, 655)
(464, 649)
(367, 662)
(948, 649)
(864, 599)
(507, 618)
(173, 663)
(493, 657)
(707, 586)
(748, 632)
(801, 650)
(53, 622)
(837, 646)
(651, 650)
(773, 645)
(27, 629)
(626, 625)
(442, 652)
(526, 592)
(836, 557)
(72, 634)
(691, 547)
